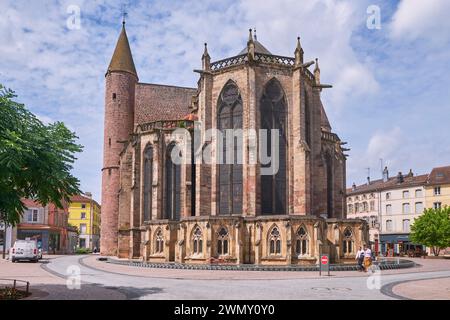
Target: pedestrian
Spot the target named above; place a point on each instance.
(360, 258)
(367, 258)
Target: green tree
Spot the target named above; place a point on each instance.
(432, 229)
(35, 159)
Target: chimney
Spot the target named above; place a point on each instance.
(353, 186)
(385, 174)
(88, 194)
(368, 180)
(399, 177)
(410, 174)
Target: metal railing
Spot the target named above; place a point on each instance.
(15, 284)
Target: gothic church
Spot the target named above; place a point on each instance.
(202, 213)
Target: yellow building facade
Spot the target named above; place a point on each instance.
(85, 215)
(437, 189)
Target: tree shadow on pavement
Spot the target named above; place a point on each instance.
(88, 292)
(135, 293)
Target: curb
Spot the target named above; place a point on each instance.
(388, 289)
(385, 265)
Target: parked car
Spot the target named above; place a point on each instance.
(25, 250)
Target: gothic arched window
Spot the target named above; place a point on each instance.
(275, 242)
(222, 241)
(197, 241)
(148, 177)
(347, 244)
(301, 245)
(273, 116)
(159, 242)
(173, 184)
(230, 174)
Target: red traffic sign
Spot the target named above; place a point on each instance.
(324, 259)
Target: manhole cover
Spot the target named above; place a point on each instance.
(330, 289)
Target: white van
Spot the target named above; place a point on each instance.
(24, 250)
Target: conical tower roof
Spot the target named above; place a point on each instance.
(122, 59)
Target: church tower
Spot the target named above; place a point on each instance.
(120, 83)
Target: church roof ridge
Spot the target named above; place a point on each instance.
(259, 48)
(165, 85)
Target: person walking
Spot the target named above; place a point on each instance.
(367, 258)
(360, 258)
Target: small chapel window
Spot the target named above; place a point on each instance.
(197, 241)
(347, 245)
(114, 96)
(275, 242)
(222, 242)
(301, 247)
(159, 242)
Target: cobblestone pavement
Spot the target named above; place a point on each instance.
(434, 289)
(102, 280)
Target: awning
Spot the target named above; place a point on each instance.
(394, 238)
(397, 238)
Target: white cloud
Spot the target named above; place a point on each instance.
(45, 119)
(325, 28)
(384, 144)
(422, 19)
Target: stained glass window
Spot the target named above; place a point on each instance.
(148, 175)
(230, 174)
(173, 184)
(273, 116)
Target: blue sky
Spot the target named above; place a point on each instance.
(391, 86)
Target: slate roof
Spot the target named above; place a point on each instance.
(259, 48)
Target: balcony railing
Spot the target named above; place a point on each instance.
(228, 62)
(329, 136)
(167, 124)
(259, 57)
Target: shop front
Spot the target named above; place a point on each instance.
(48, 240)
(393, 245)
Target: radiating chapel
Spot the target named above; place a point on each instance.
(202, 213)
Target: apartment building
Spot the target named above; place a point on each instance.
(390, 205)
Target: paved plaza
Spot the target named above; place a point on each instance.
(100, 280)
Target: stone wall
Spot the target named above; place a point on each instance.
(244, 247)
